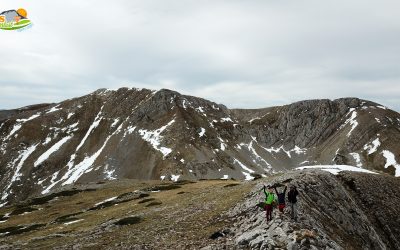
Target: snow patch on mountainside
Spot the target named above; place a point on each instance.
(53, 182)
(19, 124)
(83, 167)
(247, 171)
(357, 158)
(95, 123)
(335, 169)
(254, 152)
(28, 119)
(47, 140)
(391, 161)
(16, 173)
(53, 109)
(116, 120)
(51, 150)
(109, 173)
(154, 138)
(106, 200)
(201, 110)
(351, 120)
(297, 150)
(73, 222)
(373, 146)
(253, 119)
(129, 130)
(174, 178)
(15, 129)
(226, 119)
(74, 172)
(223, 145)
(202, 132)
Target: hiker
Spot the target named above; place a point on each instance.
(281, 198)
(269, 200)
(292, 198)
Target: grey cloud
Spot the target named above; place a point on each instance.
(240, 53)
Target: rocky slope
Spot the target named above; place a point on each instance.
(344, 211)
(144, 134)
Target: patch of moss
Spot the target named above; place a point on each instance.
(232, 185)
(121, 196)
(143, 195)
(47, 198)
(164, 187)
(129, 221)
(146, 200)
(8, 231)
(112, 202)
(154, 203)
(89, 190)
(103, 205)
(23, 209)
(67, 218)
(42, 200)
(65, 193)
(183, 182)
(132, 194)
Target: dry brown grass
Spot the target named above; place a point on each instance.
(188, 214)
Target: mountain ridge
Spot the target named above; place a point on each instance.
(147, 134)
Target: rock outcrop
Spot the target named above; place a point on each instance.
(345, 211)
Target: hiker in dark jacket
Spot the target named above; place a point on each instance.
(281, 199)
(292, 198)
(269, 200)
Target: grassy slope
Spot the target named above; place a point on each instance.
(185, 218)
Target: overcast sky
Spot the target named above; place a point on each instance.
(248, 54)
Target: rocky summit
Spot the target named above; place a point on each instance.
(163, 135)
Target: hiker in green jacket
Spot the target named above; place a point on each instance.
(269, 200)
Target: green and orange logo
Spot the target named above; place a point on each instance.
(14, 19)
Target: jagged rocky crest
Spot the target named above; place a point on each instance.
(346, 211)
(144, 134)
